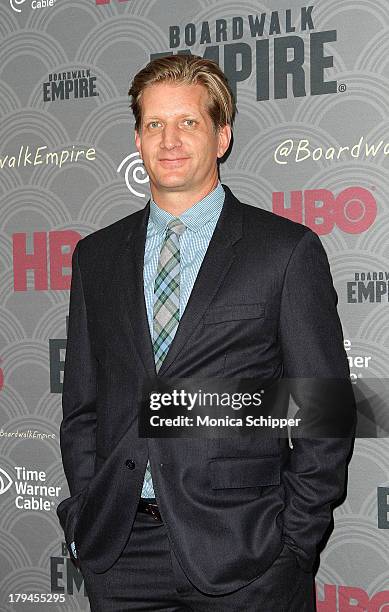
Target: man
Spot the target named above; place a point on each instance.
(195, 285)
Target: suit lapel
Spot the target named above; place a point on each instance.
(216, 263)
(129, 275)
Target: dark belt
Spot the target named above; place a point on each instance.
(149, 507)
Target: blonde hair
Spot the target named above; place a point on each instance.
(186, 70)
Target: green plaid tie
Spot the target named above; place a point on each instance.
(166, 312)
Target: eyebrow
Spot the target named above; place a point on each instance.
(192, 114)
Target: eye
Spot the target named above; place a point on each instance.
(153, 124)
(189, 122)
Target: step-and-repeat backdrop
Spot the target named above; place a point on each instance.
(311, 143)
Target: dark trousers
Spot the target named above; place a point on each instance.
(147, 576)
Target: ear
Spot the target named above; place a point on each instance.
(138, 142)
(224, 140)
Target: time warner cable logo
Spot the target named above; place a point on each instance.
(5, 481)
(35, 4)
(31, 489)
(134, 172)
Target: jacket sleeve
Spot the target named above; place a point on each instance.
(77, 430)
(312, 347)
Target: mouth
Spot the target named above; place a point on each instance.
(172, 162)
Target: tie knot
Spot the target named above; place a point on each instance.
(175, 226)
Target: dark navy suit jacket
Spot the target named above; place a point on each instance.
(263, 305)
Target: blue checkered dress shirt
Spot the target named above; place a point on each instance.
(200, 220)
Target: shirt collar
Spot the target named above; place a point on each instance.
(194, 217)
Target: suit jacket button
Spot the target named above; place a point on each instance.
(130, 463)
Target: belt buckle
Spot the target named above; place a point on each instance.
(154, 511)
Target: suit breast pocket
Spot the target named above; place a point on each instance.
(236, 330)
(234, 312)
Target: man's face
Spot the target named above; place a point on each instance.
(177, 140)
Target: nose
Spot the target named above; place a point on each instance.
(170, 137)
